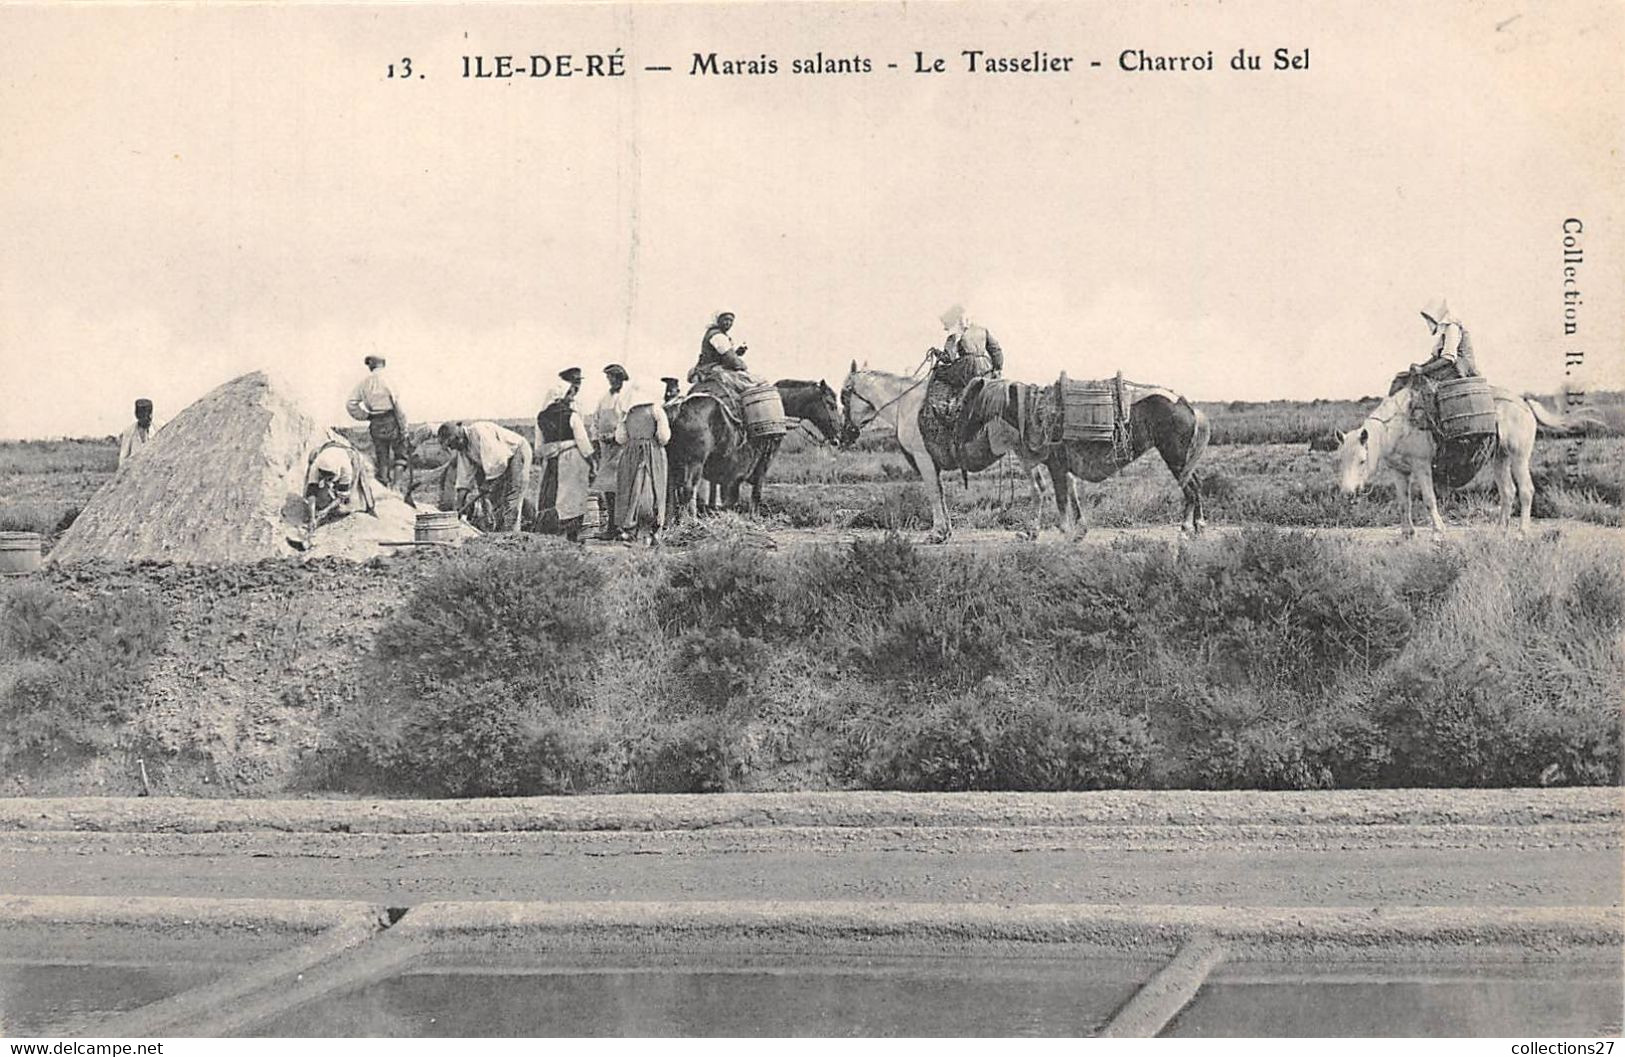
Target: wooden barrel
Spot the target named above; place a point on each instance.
(19, 553)
(1088, 410)
(593, 519)
(1466, 407)
(764, 411)
(437, 526)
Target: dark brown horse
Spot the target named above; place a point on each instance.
(1159, 419)
(709, 443)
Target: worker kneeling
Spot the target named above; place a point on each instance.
(495, 465)
(335, 485)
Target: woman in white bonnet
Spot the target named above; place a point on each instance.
(640, 486)
(968, 339)
(1452, 349)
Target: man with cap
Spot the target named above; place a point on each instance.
(136, 435)
(1452, 350)
(565, 448)
(495, 462)
(674, 389)
(606, 420)
(571, 376)
(969, 341)
(374, 402)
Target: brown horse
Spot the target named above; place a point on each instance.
(1159, 419)
(709, 443)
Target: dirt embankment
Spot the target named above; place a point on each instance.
(256, 652)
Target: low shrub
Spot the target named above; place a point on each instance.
(700, 755)
(70, 667)
(477, 739)
(978, 743)
(527, 616)
(1263, 659)
(720, 587)
(1274, 609)
(474, 678)
(717, 664)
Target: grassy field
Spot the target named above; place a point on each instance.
(44, 483)
(1257, 470)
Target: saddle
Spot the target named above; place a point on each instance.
(1424, 411)
(940, 411)
(1456, 460)
(725, 387)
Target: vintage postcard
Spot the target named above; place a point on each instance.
(791, 518)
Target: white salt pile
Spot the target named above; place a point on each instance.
(224, 482)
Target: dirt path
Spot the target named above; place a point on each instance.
(983, 539)
(1465, 848)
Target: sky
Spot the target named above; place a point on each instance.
(189, 192)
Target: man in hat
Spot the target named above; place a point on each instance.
(605, 423)
(136, 435)
(1452, 350)
(674, 389)
(374, 402)
(496, 462)
(969, 341)
(565, 448)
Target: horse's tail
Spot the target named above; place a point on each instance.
(1200, 431)
(1555, 422)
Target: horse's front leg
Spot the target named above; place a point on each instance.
(757, 479)
(691, 492)
(941, 527)
(1504, 491)
(1424, 481)
(1407, 527)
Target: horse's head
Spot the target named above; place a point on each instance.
(1355, 462)
(827, 413)
(850, 426)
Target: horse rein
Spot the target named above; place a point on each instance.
(875, 408)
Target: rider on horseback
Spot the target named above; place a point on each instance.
(969, 351)
(721, 367)
(1452, 352)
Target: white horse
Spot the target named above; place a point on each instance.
(870, 398)
(1388, 440)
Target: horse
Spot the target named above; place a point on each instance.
(1157, 418)
(1178, 430)
(1390, 440)
(709, 443)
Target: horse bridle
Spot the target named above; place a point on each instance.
(875, 409)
